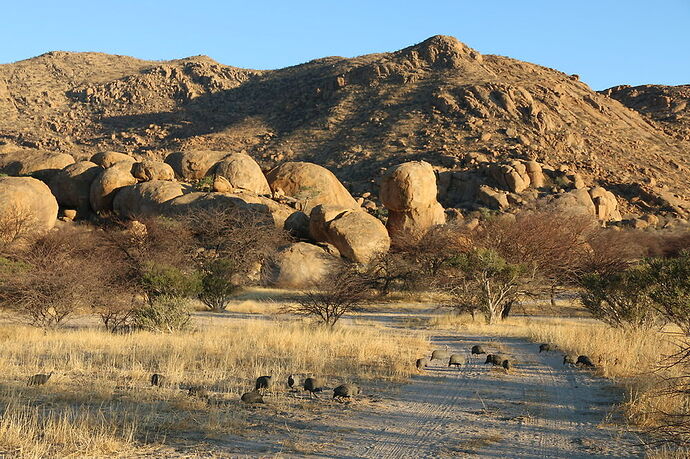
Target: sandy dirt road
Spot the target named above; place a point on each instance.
(539, 409)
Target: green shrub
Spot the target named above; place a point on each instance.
(161, 280)
(164, 313)
(620, 299)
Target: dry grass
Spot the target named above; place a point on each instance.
(99, 401)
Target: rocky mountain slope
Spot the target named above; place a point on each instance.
(439, 101)
(667, 107)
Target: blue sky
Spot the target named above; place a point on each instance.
(606, 42)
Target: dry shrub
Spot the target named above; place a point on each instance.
(343, 291)
(58, 274)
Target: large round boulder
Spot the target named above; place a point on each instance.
(72, 185)
(409, 186)
(149, 169)
(416, 222)
(359, 236)
(242, 173)
(42, 165)
(27, 208)
(194, 164)
(257, 206)
(319, 218)
(299, 265)
(107, 183)
(145, 198)
(310, 184)
(107, 159)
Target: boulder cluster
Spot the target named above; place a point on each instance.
(305, 199)
(505, 186)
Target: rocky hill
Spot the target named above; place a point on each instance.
(667, 107)
(438, 101)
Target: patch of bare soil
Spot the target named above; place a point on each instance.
(538, 409)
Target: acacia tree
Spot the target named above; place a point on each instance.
(620, 299)
(486, 281)
(670, 288)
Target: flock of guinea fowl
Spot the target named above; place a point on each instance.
(348, 391)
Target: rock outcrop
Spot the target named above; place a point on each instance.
(409, 192)
(27, 208)
(71, 186)
(310, 184)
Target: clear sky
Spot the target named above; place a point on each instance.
(606, 42)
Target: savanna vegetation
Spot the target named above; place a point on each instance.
(634, 286)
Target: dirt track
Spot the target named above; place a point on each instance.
(539, 409)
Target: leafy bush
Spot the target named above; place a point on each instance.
(621, 299)
(217, 286)
(165, 313)
(670, 288)
(162, 280)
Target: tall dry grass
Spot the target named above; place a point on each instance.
(99, 401)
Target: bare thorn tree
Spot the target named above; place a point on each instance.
(343, 292)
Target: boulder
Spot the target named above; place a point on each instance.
(491, 198)
(145, 198)
(258, 205)
(42, 165)
(319, 218)
(27, 208)
(107, 183)
(194, 164)
(409, 186)
(511, 177)
(414, 223)
(243, 173)
(535, 173)
(107, 159)
(149, 169)
(577, 201)
(605, 204)
(310, 184)
(299, 265)
(71, 186)
(297, 225)
(222, 185)
(358, 236)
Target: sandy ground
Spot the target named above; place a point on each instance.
(538, 409)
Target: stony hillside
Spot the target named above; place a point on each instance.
(439, 101)
(668, 107)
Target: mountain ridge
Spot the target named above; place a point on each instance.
(438, 100)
